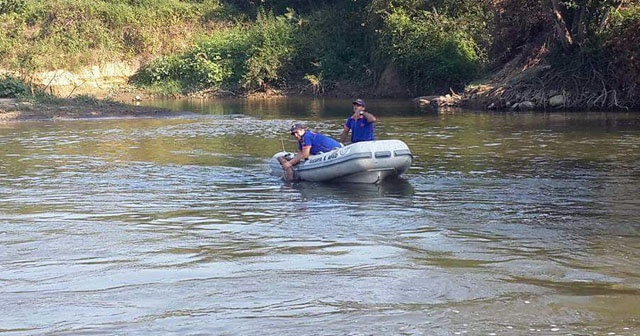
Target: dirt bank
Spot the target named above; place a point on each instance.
(12, 110)
(114, 97)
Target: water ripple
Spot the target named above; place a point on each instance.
(505, 224)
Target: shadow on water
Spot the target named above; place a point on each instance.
(391, 187)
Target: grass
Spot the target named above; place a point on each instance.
(46, 35)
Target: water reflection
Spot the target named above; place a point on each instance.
(391, 188)
(296, 108)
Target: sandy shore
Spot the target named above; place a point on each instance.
(12, 110)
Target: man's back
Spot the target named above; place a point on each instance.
(319, 143)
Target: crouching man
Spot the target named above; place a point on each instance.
(309, 143)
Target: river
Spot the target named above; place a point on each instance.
(506, 224)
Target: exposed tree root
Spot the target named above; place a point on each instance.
(578, 91)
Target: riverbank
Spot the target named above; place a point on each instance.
(12, 110)
(105, 92)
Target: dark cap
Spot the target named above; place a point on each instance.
(296, 127)
(359, 102)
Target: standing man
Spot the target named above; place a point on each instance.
(309, 143)
(360, 123)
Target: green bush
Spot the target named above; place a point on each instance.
(431, 51)
(14, 87)
(333, 47)
(11, 87)
(271, 51)
(622, 44)
(244, 57)
(12, 6)
(208, 65)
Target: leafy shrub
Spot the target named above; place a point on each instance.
(333, 47)
(11, 87)
(248, 58)
(12, 6)
(431, 51)
(622, 43)
(202, 67)
(270, 52)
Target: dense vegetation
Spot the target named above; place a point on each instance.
(383, 47)
(584, 50)
(37, 35)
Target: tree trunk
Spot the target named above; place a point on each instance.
(580, 33)
(561, 27)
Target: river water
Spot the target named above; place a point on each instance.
(506, 224)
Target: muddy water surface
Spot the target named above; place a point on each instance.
(507, 224)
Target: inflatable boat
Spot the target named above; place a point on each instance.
(361, 162)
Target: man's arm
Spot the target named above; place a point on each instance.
(302, 155)
(370, 117)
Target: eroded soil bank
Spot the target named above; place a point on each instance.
(12, 110)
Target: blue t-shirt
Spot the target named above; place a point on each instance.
(361, 129)
(319, 143)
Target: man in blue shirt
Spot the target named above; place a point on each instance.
(360, 123)
(309, 143)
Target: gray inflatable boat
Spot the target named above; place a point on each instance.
(361, 162)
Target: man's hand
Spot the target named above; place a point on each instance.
(357, 111)
(284, 163)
